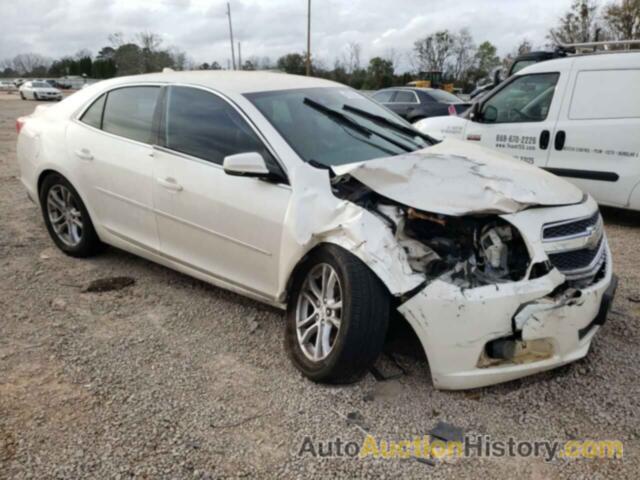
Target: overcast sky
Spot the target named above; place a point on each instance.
(268, 27)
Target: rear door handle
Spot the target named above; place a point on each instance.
(170, 184)
(84, 154)
(561, 136)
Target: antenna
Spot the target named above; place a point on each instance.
(233, 54)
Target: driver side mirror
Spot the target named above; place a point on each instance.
(250, 164)
(490, 114)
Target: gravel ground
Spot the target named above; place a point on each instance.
(173, 378)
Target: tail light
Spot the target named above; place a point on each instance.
(452, 110)
(19, 124)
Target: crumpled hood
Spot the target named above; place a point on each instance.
(458, 178)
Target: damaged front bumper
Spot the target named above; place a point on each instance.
(456, 326)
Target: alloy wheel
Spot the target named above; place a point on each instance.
(65, 215)
(319, 312)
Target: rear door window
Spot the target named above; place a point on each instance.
(383, 97)
(205, 126)
(128, 112)
(405, 97)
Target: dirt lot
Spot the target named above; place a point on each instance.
(173, 378)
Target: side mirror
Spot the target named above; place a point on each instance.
(498, 76)
(490, 114)
(250, 164)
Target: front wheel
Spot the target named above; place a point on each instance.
(337, 317)
(22, 96)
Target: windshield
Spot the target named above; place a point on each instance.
(443, 96)
(335, 126)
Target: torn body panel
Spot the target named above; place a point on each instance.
(480, 277)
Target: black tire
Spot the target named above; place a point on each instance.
(89, 243)
(22, 96)
(363, 327)
(35, 96)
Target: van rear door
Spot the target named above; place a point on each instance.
(597, 140)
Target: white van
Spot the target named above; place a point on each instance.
(577, 117)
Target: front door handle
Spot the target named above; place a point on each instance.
(170, 184)
(84, 154)
(544, 139)
(561, 136)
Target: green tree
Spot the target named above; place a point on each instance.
(379, 74)
(292, 63)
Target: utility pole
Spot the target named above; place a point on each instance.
(308, 38)
(239, 56)
(233, 53)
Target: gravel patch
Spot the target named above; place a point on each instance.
(163, 376)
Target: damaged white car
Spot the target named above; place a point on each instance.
(305, 194)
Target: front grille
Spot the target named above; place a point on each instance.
(576, 259)
(571, 228)
(577, 247)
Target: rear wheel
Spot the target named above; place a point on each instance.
(22, 96)
(35, 96)
(67, 219)
(337, 317)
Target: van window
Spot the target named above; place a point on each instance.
(601, 94)
(129, 112)
(525, 99)
(205, 126)
(93, 115)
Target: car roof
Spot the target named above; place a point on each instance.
(231, 81)
(593, 60)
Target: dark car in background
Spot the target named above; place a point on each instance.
(414, 104)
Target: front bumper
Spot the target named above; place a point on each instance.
(549, 329)
(454, 327)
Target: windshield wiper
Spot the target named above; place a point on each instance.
(389, 123)
(340, 117)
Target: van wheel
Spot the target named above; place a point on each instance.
(337, 317)
(67, 219)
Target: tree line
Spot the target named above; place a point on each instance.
(454, 54)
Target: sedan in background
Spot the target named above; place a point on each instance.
(414, 104)
(39, 90)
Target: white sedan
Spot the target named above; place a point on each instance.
(305, 194)
(36, 90)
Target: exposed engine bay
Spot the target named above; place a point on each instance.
(467, 251)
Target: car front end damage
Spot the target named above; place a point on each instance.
(480, 327)
(512, 286)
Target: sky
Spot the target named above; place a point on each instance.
(269, 27)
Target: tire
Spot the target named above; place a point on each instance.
(35, 96)
(22, 96)
(363, 322)
(73, 239)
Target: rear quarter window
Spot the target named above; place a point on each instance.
(93, 115)
(605, 94)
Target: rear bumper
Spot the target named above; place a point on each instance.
(455, 326)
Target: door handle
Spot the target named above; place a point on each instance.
(544, 139)
(170, 184)
(561, 136)
(84, 154)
